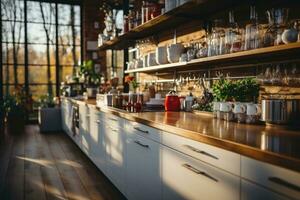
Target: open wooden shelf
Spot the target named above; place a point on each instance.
(256, 56)
(194, 9)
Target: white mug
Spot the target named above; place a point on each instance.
(216, 106)
(239, 108)
(253, 109)
(225, 107)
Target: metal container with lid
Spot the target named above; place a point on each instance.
(281, 111)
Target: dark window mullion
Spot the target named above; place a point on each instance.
(57, 51)
(26, 49)
(1, 72)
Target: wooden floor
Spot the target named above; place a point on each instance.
(49, 166)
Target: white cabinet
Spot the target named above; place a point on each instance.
(281, 180)
(97, 141)
(252, 191)
(115, 145)
(187, 178)
(143, 174)
(84, 128)
(66, 111)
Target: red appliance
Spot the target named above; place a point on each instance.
(172, 102)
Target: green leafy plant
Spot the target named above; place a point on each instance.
(46, 101)
(244, 90)
(87, 70)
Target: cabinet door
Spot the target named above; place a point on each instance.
(143, 169)
(187, 178)
(251, 191)
(115, 139)
(97, 142)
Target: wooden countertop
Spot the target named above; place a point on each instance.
(273, 144)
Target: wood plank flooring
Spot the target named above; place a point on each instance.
(49, 166)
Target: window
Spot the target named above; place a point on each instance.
(52, 43)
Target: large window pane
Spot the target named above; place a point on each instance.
(12, 10)
(13, 53)
(38, 54)
(38, 90)
(41, 33)
(68, 55)
(13, 74)
(39, 74)
(68, 14)
(41, 12)
(10, 29)
(66, 71)
(68, 34)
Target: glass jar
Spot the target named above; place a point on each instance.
(277, 20)
(216, 39)
(252, 31)
(233, 36)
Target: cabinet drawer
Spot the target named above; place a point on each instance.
(252, 191)
(217, 157)
(187, 178)
(112, 120)
(146, 131)
(143, 169)
(276, 178)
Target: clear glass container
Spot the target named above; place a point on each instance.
(253, 31)
(233, 36)
(216, 39)
(277, 20)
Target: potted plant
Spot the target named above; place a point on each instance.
(15, 111)
(133, 84)
(91, 77)
(49, 115)
(243, 90)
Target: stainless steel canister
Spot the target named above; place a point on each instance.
(281, 111)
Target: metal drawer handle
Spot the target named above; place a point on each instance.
(141, 144)
(114, 130)
(201, 152)
(193, 169)
(98, 121)
(138, 129)
(113, 119)
(284, 183)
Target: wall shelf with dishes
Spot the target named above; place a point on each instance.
(192, 9)
(252, 57)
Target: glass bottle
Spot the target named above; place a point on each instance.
(233, 36)
(252, 32)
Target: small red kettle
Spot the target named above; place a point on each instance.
(172, 102)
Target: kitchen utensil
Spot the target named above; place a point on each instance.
(161, 55)
(281, 111)
(174, 52)
(172, 102)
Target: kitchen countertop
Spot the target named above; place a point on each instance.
(273, 144)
